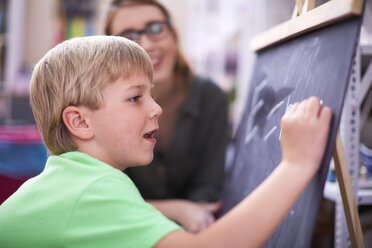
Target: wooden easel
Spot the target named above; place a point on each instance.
(342, 171)
(307, 18)
(303, 20)
(347, 195)
(303, 6)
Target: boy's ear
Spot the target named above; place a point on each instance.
(77, 123)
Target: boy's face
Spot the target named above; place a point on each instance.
(125, 123)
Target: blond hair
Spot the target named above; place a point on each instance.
(74, 73)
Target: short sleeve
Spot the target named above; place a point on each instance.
(111, 213)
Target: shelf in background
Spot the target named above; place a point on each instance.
(364, 195)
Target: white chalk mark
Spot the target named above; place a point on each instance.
(287, 107)
(261, 85)
(257, 107)
(270, 132)
(272, 111)
(251, 134)
(257, 90)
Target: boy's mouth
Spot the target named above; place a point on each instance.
(150, 135)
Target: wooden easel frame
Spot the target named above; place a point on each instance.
(347, 195)
(306, 18)
(342, 171)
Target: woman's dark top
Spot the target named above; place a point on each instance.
(192, 166)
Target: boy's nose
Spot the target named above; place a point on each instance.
(155, 110)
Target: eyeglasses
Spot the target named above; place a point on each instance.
(155, 31)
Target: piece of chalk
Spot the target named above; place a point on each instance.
(321, 102)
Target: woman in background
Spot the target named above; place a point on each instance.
(185, 178)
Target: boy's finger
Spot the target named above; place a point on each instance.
(302, 106)
(313, 106)
(325, 114)
(293, 107)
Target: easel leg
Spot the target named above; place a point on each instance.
(347, 195)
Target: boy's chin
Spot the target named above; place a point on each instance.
(146, 161)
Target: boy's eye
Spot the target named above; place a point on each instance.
(134, 99)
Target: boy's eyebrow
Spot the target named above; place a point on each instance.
(140, 86)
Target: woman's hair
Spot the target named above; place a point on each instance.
(182, 69)
(74, 73)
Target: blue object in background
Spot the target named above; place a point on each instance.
(366, 157)
(22, 156)
(331, 176)
(22, 160)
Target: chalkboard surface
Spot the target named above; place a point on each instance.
(317, 63)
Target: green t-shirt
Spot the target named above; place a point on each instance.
(79, 201)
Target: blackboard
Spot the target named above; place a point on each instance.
(316, 63)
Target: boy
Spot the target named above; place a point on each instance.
(92, 103)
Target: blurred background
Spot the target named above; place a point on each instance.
(215, 37)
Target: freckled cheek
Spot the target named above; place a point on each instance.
(134, 127)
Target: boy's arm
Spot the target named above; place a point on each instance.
(305, 129)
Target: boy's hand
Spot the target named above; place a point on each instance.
(305, 129)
